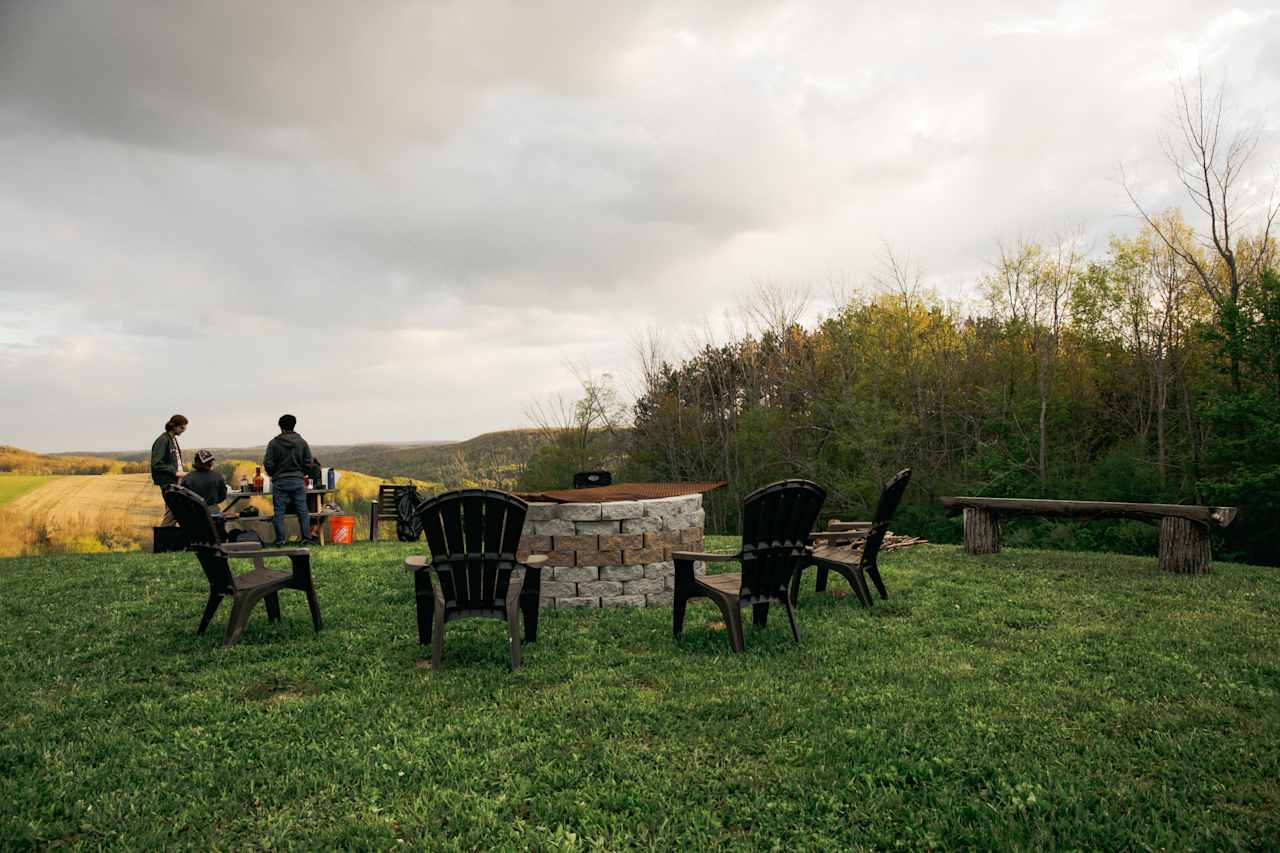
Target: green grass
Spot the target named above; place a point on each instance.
(14, 486)
(1027, 700)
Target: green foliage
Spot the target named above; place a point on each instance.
(1023, 701)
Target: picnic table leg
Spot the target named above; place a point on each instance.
(1184, 547)
(981, 531)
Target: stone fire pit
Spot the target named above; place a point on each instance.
(614, 553)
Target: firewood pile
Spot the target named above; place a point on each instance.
(839, 545)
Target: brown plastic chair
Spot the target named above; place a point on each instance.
(776, 521)
(473, 535)
(850, 548)
(247, 589)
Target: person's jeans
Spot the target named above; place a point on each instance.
(284, 494)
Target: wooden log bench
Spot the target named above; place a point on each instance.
(1184, 530)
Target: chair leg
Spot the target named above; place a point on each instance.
(732, 612)
(821, 585)
(794, 594)
(273, 607)
(210, 608)
(424, 604)
(530, 602)
(314, 604)
(241, 607)
(437, 640)
(874, 571)
(791, 616)
(678, 602)
(760, 615)
(373, 523)
(859, 584)
(513, 637)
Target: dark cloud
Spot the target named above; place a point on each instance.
(483, 191)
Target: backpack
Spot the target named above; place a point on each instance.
(408, 524)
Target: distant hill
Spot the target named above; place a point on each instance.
(494, 458)
(14, 460)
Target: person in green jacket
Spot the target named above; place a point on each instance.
(166, 461)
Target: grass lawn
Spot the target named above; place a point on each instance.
(1030, 699)
(14, 486)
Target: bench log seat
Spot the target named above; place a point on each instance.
(1184, 529)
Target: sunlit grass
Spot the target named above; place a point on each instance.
(1029, 699)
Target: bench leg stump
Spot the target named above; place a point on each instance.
(1184, 547)
(981, 531)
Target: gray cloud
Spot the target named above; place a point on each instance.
(402, 219)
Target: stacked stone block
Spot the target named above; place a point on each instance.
(615, 554)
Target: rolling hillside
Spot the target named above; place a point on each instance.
(494, 458)
(14, 460)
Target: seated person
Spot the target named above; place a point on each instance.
(206, 482)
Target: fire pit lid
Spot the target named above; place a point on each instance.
(619, 492)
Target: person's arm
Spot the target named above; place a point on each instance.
(308, 463)
(161, 461)
(222, 488)
(269, 459)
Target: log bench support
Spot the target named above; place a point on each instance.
(1184, 529)
(981, 530)
(1184, 547)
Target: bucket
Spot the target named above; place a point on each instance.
(342, 529)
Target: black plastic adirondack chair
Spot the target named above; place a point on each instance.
(851, 548)
(247, 589)
(776, 521)
(473, 535)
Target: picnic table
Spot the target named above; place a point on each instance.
(315, 502)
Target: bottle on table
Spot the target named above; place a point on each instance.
(257, 479)
(333, 479)
(244, 483)
(306, 482)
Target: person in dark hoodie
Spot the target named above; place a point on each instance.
(166, 461)
(206, 482)
(287, 460)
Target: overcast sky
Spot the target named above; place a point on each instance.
(405, 220)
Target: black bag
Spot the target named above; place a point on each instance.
(246, 536)
(408, 525)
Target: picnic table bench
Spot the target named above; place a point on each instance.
(1184, 529)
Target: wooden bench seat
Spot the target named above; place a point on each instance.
(1184, 529)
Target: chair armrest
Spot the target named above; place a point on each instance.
(835, 525)
(705, 558)
(416, 562)
(268, 552)
(239, 546)
(534, 560)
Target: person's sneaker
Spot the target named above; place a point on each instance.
(306, 543)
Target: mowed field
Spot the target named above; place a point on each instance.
(14, 486)
(75, 509)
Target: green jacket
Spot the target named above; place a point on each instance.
(288, 457)
(164, 462)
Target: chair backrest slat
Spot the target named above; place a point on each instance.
(776, 522)
(890, 497)
(473, 535)
(388, 497)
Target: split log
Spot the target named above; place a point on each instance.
(981, 531)
(1184, 547)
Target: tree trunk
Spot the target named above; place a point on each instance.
(1184, 547)
(981, 531)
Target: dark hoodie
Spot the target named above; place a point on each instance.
(288, 457)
